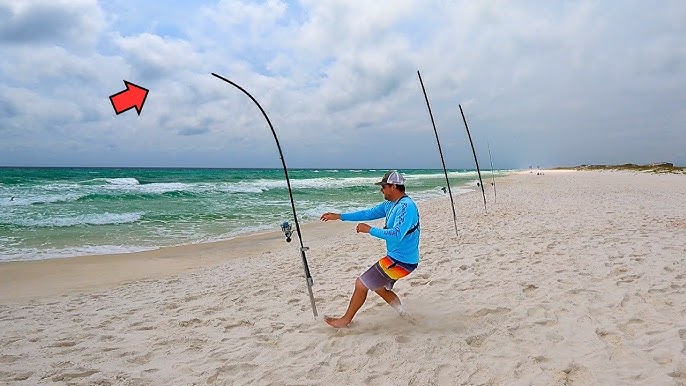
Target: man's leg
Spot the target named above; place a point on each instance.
(391, 298)
(356, 301)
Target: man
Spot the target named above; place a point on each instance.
(401, 234)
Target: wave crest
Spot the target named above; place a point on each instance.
(85, 219)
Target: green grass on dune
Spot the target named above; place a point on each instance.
(663, 167)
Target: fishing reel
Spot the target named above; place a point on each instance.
(287, 230)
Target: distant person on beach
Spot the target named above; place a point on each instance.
(401, 234)
(444, 189)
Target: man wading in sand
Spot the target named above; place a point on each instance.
(401, 234)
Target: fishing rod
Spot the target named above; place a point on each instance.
(308, 276)
(475, 160)
(445, 171)
(495, 194)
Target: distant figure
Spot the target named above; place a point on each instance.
(12, 199)
(444, 190)
(478, 184)
(401, 234)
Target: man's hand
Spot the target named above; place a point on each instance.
(328, 216)
(362, 228)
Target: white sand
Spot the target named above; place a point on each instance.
(572, 278)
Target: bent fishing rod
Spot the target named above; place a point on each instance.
(475, 160)
(438, 142)
(495, 195)
(308, 276)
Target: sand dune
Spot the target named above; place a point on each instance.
(572, 278)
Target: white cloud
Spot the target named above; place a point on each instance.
(72, 22)
(152, 56)
(249, 14)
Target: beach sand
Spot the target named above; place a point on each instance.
(572, 278)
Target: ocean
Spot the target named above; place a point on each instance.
(61, 212)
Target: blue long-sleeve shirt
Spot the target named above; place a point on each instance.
(401, 217)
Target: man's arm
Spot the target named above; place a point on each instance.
(404, 220)
(367, 214)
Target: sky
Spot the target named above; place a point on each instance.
(542, 83)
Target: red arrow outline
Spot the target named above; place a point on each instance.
(134, 105)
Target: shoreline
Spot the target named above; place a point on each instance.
(77, 274)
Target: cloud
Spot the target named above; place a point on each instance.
(193, 131)
(152, 56)
(245, 14)
(72, 22)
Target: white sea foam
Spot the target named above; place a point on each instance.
(164, 187)
(84, 219)
(454, 174)
(429, 194)
(258, 186)
(34, 198)
(243, 187)
(24, 254)
(241, 231)
(312, 183)
(121, 181)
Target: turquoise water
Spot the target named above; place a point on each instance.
(60, 212)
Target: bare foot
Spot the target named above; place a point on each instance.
(336, 322)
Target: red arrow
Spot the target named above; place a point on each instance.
(133, 96)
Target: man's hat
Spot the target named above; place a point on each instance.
(392, 177)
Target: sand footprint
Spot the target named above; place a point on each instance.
(20, 377)
(476, 341)
(221, 370)
(573, 375)
(420, 279)
(402, 339)
(64, 343)
(190, 322)
(546, 322)
(377, 349)
(490, 311)
(529, 289)
(611, 339)
(69, 377)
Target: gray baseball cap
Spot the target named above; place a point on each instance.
(392, 177)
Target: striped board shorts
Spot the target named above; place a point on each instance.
(385, 272)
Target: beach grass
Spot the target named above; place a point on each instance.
(661, 167)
